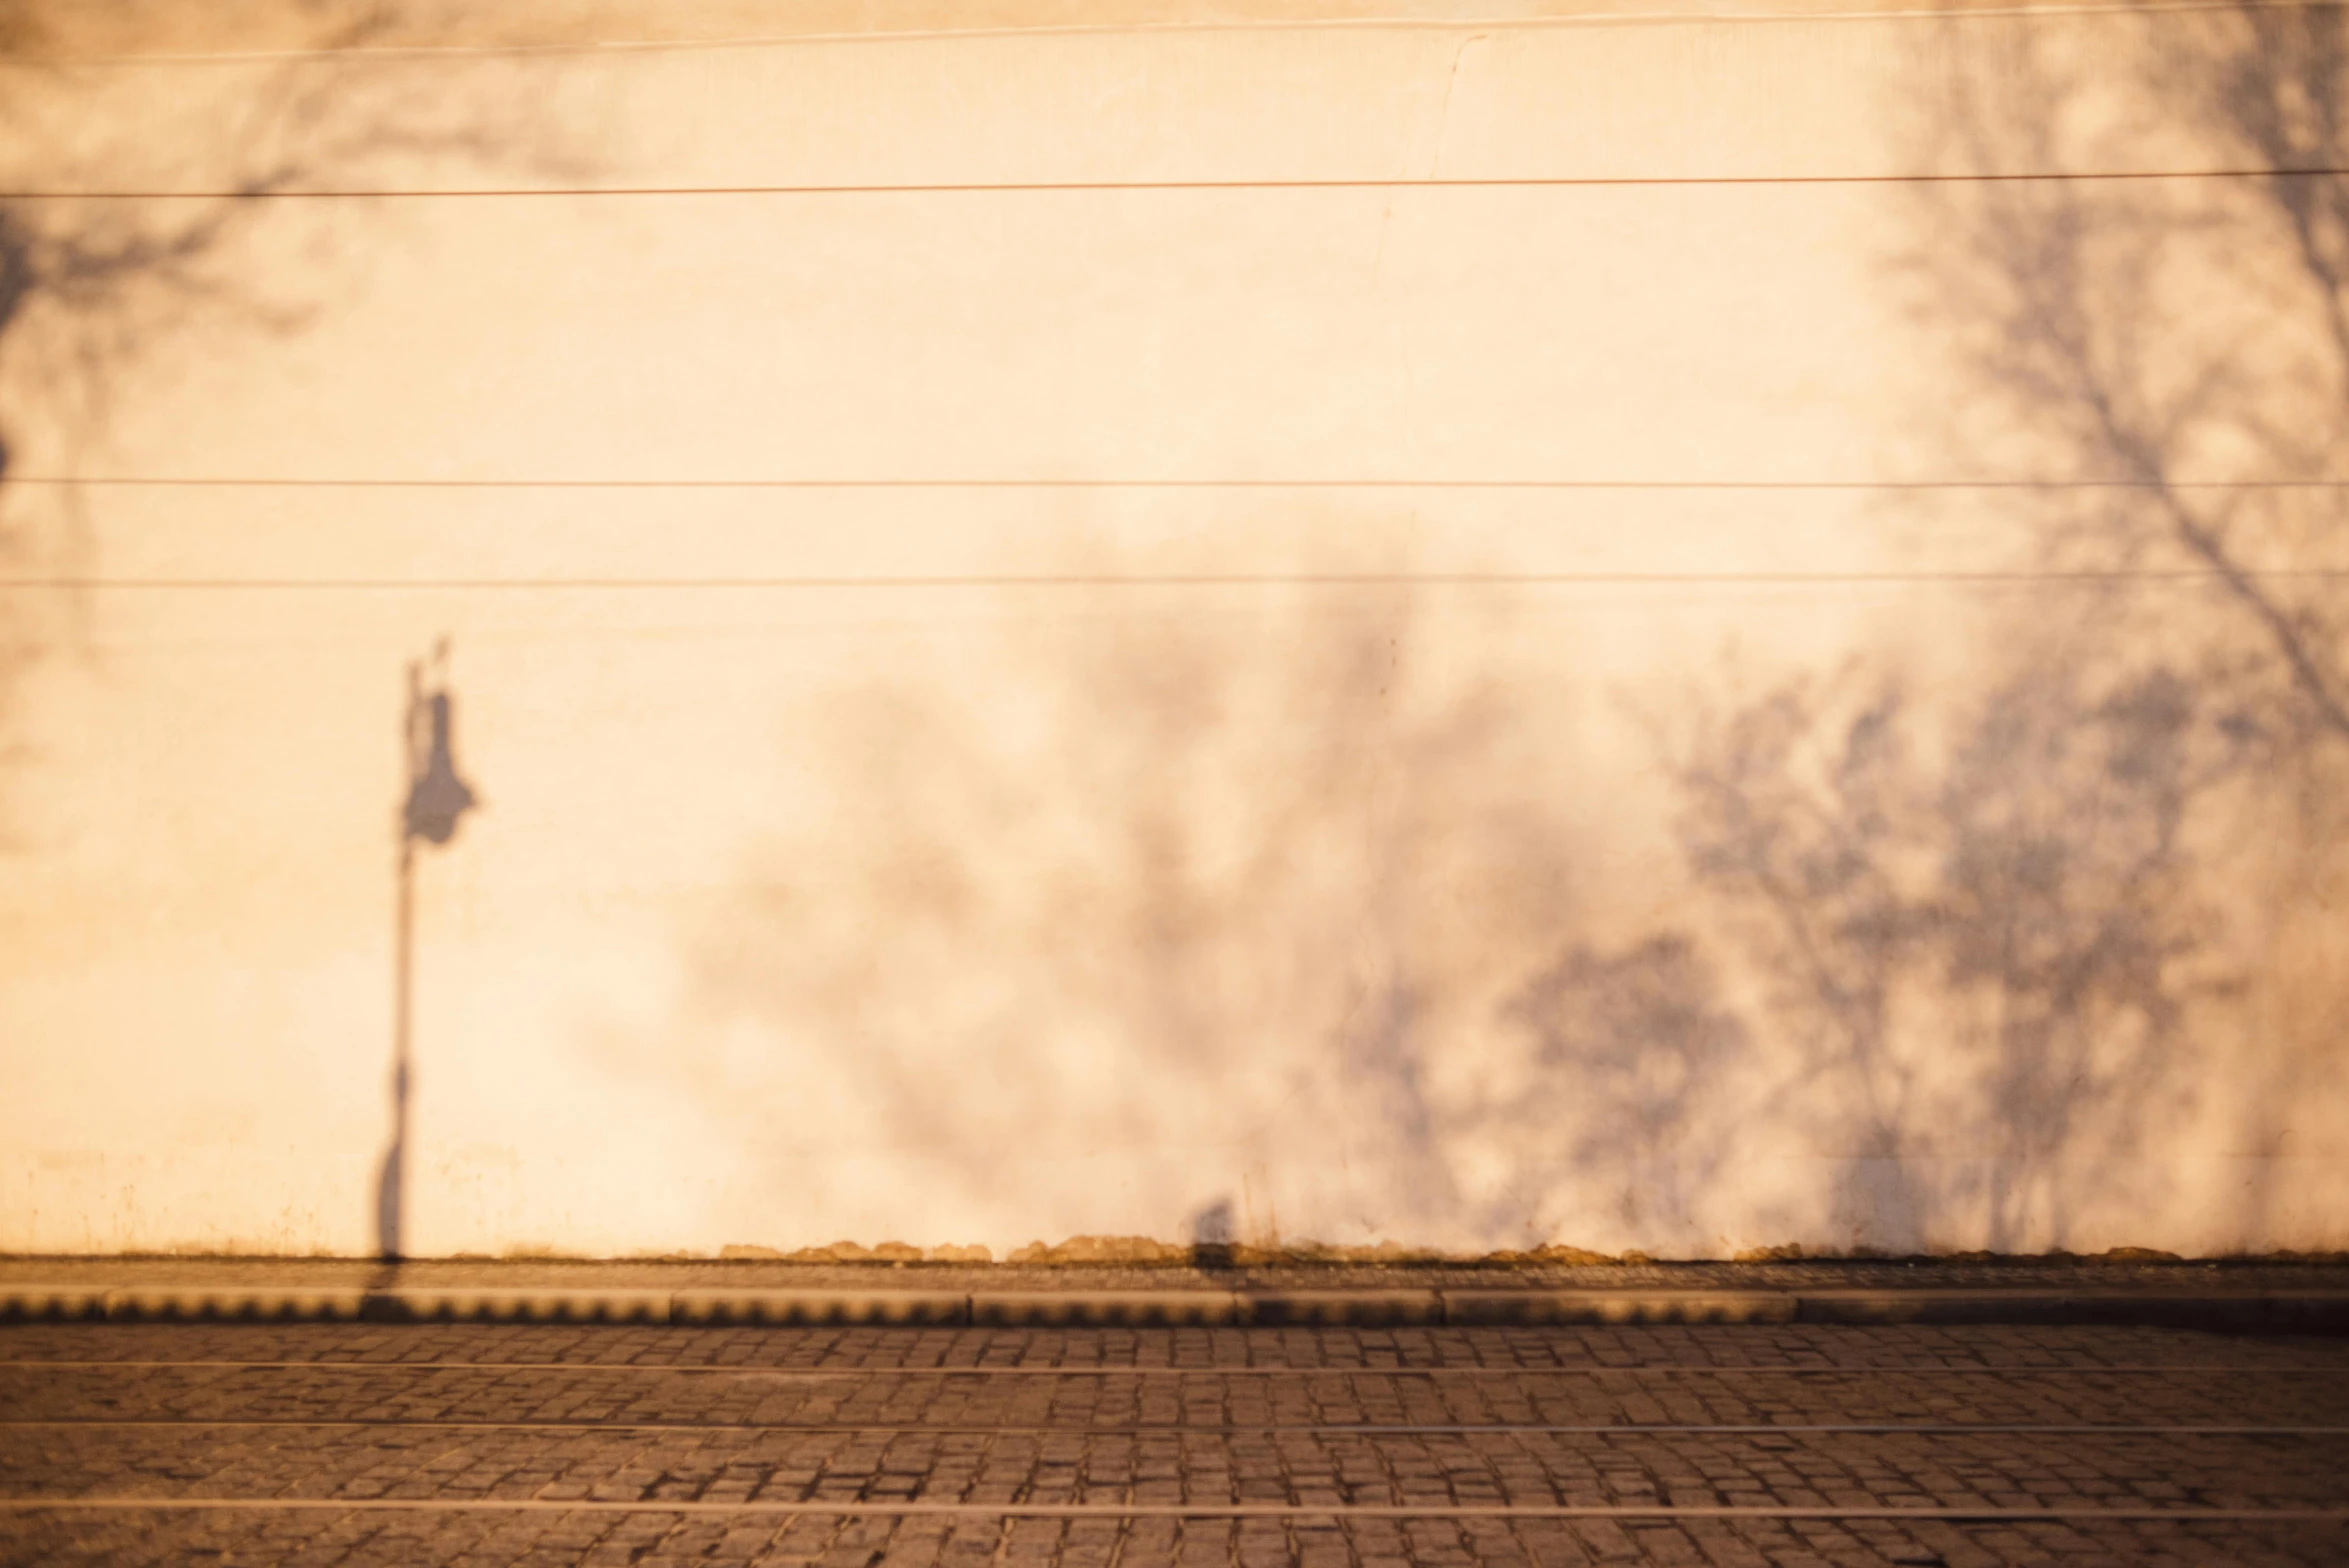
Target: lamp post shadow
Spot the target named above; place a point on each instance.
(391, 1178)
(435, 801)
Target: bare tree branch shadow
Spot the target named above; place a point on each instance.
(1219, 885)
(1634, 1047)
(1986, 949)
(2011, 929)
(1984, 966)
(94, 276)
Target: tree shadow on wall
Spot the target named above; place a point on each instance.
(92, 282)
(1200, 889)
(2185, 339)
(1981, 966)
(2013, 931)
(2178, 343)
(1262, 891)
(1641, 1091)
(1257, 892)
(1958, 961)
(92, 279)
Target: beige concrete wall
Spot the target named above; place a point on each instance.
(1458, 715)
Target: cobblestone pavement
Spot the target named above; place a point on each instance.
(1761, 1446)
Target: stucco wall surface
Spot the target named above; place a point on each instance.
(1447, 628)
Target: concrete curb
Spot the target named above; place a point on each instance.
(1106, 1309)
(1525, 1307)
(2267, 1311)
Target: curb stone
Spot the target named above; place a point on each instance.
(810, 1308)
(1340, 1308)
(491, 1305)
(53, 1303)
(1530, 1307)
(2267, 1311)
(1105, 1309)
(184, 1303)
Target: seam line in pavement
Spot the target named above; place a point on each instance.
(1159, 1510)
(1373, 1429)
(793, 1373)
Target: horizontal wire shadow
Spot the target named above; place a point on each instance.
(1048, 187)
(1520, 24)
(1220, 580)
(968, 482)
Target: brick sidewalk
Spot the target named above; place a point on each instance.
(1756, 1447)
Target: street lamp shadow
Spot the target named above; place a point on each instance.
(436, 801)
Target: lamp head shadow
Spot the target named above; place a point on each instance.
(437, 798)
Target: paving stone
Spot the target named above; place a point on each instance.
(635, 1415)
